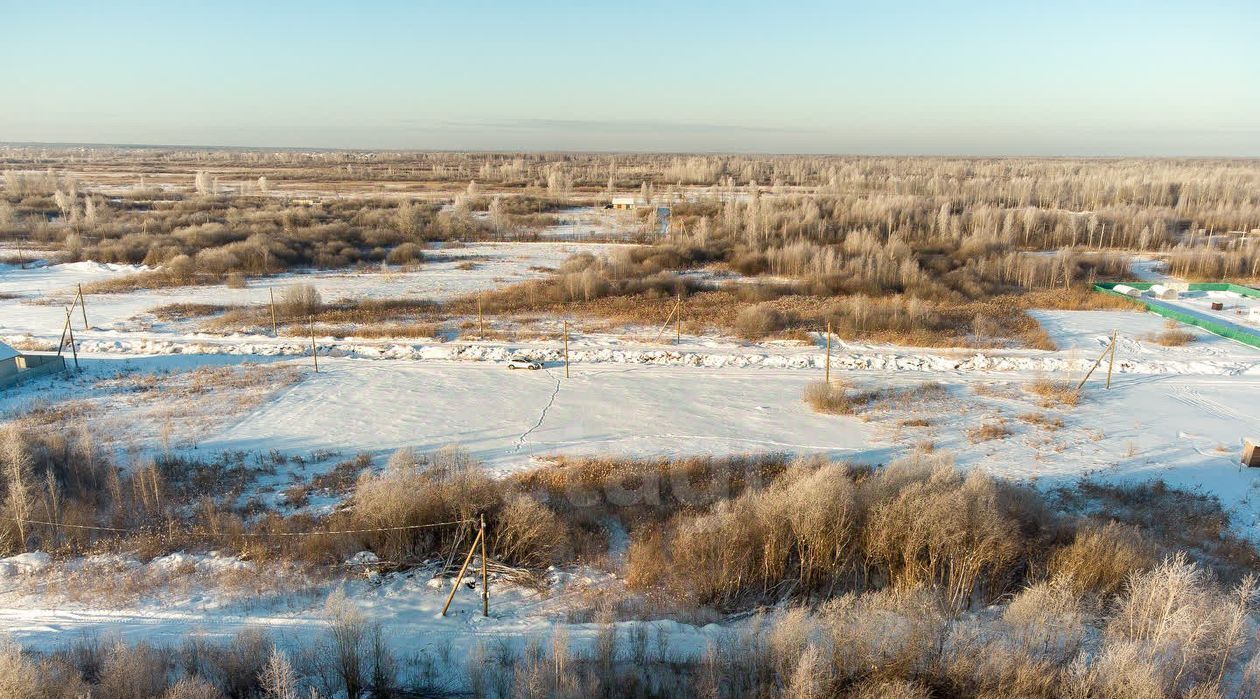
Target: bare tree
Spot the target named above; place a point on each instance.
(17, 464)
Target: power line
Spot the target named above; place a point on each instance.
(261, 534)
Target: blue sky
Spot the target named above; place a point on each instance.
(1105, 77)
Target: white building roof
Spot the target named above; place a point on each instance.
(7, 352)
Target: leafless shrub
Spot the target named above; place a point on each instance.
(1175, 619)
(960, 533)
(405, 254)
(755, 322)
(236, 666)
(193, 688)
(299, 301)
(129, 671)
(19, 676)
(278, 680)
(827, 397)
(1101, 558)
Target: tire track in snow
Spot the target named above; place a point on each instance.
(520, 441)
(1197, 400)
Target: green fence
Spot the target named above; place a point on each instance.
(1222, 328)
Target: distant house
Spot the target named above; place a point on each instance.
(623, 203)
(15, 366)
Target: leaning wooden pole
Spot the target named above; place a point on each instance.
(61, 345)
(678, 323)
(485, 575)
(1111, 363)
(481, 324)
(73, 349)
(274, 328)
(83, 306)
(1098, 361)
(664, 326)
(566, 349)
(314, 354)
(462, 569)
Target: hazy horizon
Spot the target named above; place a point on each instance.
(1159, 79)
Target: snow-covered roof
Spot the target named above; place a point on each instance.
(7, 352)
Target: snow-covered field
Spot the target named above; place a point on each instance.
(40, 293)
(1173, 413)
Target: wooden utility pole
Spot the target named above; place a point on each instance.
(1111, 363)
(485, 575)
(274, 331)
(314, 354)
(83, 307)
(463, 569)
(828, 363)
(481, 324)
(566, 349)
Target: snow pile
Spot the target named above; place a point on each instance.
(872, 360)
(181, 563)
(24, 564)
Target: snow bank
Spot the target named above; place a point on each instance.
(180, 562)
(24, 564)
(751, 358)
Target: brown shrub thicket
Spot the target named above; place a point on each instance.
(974, 586)
(945, 237)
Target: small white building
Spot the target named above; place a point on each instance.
(626, 202)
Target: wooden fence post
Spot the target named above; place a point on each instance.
(83, 307)
(314, 354)
(485, 576)
(566, 349)
(481, 324)
(828, 370)
(274, 331)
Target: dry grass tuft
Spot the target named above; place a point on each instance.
(1054, 393)
(1048, 422)
(1173, 335)
(988, 431)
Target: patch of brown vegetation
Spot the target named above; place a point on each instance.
(1054, 393)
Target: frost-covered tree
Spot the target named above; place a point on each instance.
(278, 681)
